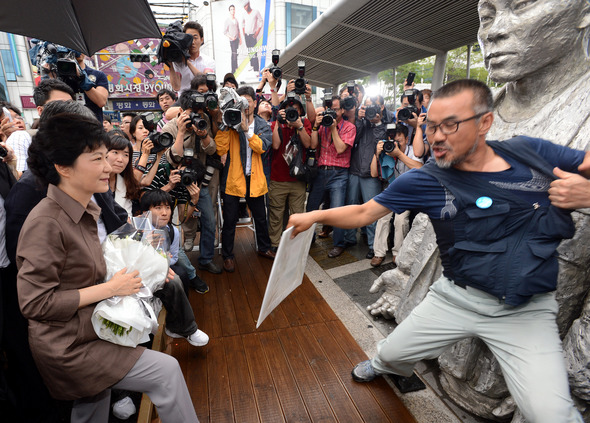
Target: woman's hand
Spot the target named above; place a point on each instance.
(146, 146)
(171, 275)
(123, 283)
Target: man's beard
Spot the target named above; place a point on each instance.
(446, 164)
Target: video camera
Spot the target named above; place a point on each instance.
(329, 115)
(301, 83)
(161, 140)
(194, 171)
(349, 102)
(406, 112)
(232, 105)
(390, 144)
(275, 71)
(175, 44)
(55, 61)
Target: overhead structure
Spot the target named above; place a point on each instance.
(81, 25)
(357, 38)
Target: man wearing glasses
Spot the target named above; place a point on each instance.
(497, 233)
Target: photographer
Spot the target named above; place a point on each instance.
(392, 158)
(308, 107)
(189, 139)
(182, 74)
(283, 186)
(245, 176)
(362, 186)
(350, 108)
(334, 143)
(94, 87)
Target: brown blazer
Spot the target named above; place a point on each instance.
(58, 253)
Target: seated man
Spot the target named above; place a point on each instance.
(180, 319)
(245, 177)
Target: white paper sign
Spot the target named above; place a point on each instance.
(287, 270)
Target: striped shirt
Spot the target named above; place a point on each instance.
(328, 154)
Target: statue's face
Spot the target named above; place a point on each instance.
(521, 37)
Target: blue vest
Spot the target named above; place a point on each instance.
(509, 248)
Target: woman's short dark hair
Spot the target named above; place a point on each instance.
(155, 197)
(60, 141)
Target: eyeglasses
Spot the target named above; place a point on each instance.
(449, 127)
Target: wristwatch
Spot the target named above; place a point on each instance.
(190, 203)
(141, 168)
(300, 128)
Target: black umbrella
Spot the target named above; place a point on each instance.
(83, 25)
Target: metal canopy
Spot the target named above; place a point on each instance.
(357, 38)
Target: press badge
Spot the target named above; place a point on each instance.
(483, 202)
(80, 99)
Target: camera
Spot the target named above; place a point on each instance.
(311, 157)
(67, 68)
(291, 113)
(389, 144)
(194, 171)
(232, 113)
(175, 45)
(406, 112)
(161, 140)
(329, 115)
(198, 102)
(211, 100)
(198, 120)
(300, 83)
(371, 112)
(212, 162)
(274, 70)
(349, 102)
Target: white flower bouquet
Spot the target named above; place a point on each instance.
(129, 320)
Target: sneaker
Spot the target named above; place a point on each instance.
(188, 245)
(197, 339)
(124, 408)
(199, 285)
(364, 372)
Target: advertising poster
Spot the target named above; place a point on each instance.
(244, 37)
(129, 79)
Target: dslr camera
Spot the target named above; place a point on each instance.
(300, 83)
(197, 117)
(329, 115)
(275, 71)
(161, 140)
(194, 171)
(390, 144)
(291, 113)
(349, 102)
(211, 100)
(406, 112)
(372, 111)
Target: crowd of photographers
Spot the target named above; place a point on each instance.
(217, 150)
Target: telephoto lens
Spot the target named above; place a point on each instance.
(291, 114)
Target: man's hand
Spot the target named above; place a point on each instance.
(10, 156)
(376, 119)
(244, 124)
(174, 178)
(181, 122)
(413, 120)
(361, 112)
(300, 222)
(406, 86)
(379, 148)
(7, 128)
(571, 191)
(194, 191)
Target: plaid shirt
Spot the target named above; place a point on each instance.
(20, 141)
(328, 154)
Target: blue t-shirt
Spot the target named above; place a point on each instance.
(100, 80)
(418, 191)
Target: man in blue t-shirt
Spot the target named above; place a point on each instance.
(93, 92)
(497, 232)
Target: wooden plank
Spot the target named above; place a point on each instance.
(267, 400)
(289, 395)
(242, 395)
(227, 314)
(196, 378)
(309, 386)
(313, 296)
(219, 390)
(380, 389)
(209, 314)
(341, 403)
(359, 392)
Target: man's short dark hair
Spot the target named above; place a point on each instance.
(402, 129)
(185, 101)
(70, 107)
(165, 91)
(483, 100)
(194, 25)
(10, 106)
(200, 79)
(155, 197)
(108, 119)
(128, 114)
(247, 90)
(42, 91)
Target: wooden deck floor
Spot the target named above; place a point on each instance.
(294, 368)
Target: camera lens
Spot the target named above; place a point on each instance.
(404, 114)
(388, 146)
(349, 103)
(201, 124)
(370, 113)
(277, 73)
(291, 114)
(232, 117)
(327, 120)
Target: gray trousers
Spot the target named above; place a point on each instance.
(524, 340)
(156, 374)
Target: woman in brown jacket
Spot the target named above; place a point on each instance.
(61, 267)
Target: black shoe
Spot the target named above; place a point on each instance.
(210, 267)
(370, 254)
(199, 285)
